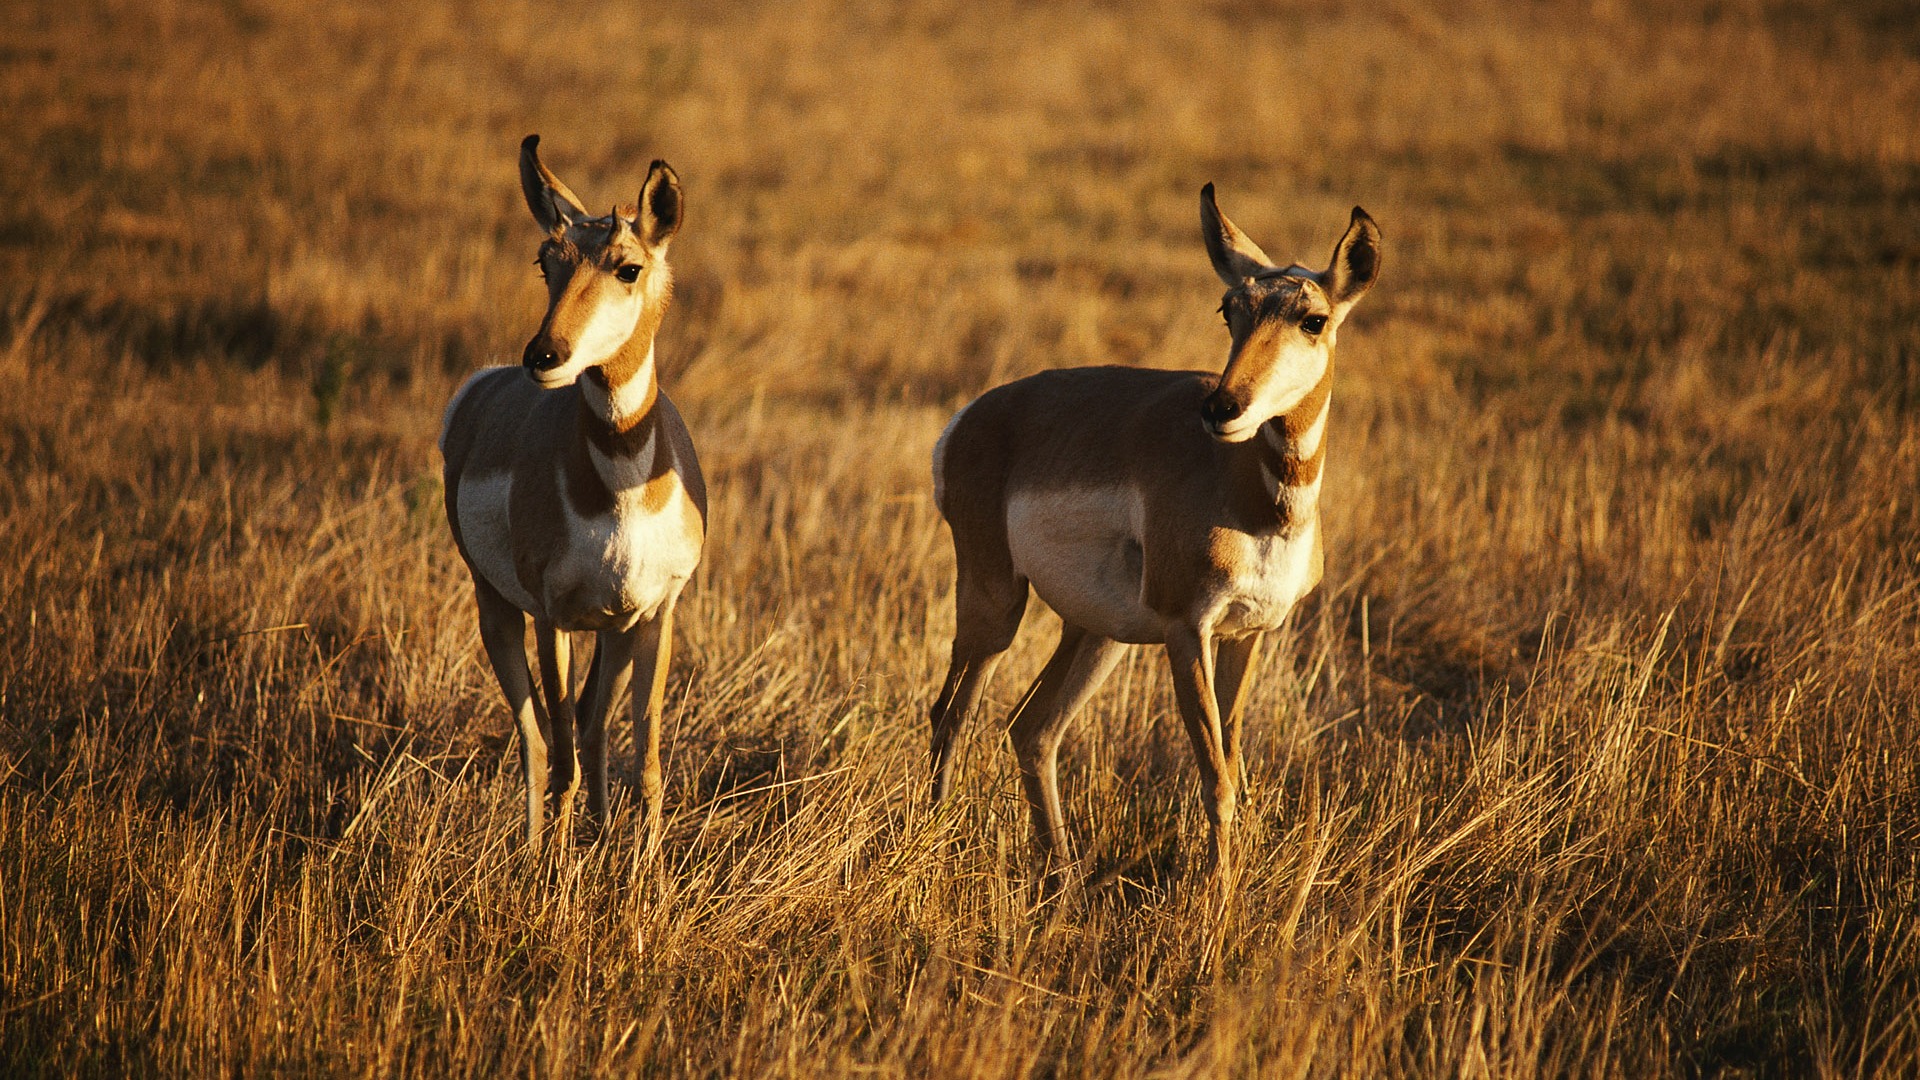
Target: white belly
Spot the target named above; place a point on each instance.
(1080, 549)
(484, 530)
(1264, 577)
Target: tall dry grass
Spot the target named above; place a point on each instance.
(1592, 755)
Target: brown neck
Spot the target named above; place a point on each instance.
(608, 457)
(1297, 423)
(1270, 473)
(625, 388)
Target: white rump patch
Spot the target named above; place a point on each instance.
(940, 459)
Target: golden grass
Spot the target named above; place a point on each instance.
(1593, 754)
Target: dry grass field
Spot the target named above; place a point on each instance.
(1594, 754)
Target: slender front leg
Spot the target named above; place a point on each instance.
(1189, 653)
(1234, 663)
(503, 630)
(592, 712)
(563, 781)
(651, 652)
(607, 679)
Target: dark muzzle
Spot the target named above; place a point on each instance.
(543, 355)
(1219, 410)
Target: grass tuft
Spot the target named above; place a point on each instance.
(1591, 755)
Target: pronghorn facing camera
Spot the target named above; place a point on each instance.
(574, 494)
(1171, 508)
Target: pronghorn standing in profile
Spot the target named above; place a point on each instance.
(1148, 507)
(574, 494)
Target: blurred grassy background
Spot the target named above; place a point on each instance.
(1593, 754)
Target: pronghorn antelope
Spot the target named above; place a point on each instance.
(1148, 507)
(574, 494)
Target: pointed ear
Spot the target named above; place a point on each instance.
(1356, 261)
(1235, 258)
(661, 205)
(553, 206)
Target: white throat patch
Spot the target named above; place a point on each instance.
(621, 405)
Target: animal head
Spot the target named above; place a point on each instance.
(607, 277)
(1282, 321)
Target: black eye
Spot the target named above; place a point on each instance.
(1224, 317)
(629, 273)
(1313, 324)
(541, 265)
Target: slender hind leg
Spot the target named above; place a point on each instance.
(592, 728)
(988, 604)
(503, 630)
(607, 679)
(1078, 666)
